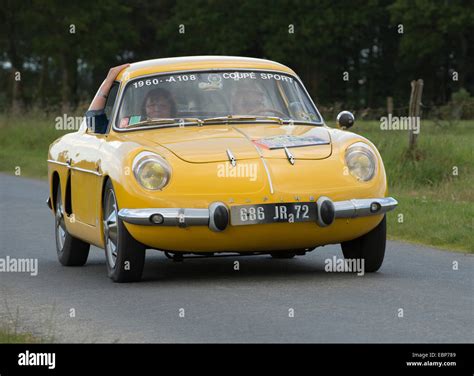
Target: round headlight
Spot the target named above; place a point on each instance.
(151, 171)
(361, 161)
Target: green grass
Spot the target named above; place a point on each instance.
(8, 336)
(24, 143)
(445, 224)
(437, 205)
(12, 329)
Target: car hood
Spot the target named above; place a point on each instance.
(210, 143)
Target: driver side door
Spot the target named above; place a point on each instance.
(86, 173)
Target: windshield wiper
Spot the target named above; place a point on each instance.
(181, 122)
(232, 118)
(229, 118)
(282, 121)
(167, 122)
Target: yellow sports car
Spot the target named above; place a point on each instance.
(202, 155)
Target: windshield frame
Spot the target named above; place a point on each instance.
(120, 98)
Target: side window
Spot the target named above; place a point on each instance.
(109, 104)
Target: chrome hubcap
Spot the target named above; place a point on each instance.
(111, 229)
(60, 225)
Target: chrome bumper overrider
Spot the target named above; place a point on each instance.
(364, 207)
(217, 215)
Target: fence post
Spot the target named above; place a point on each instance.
(414, 110)
(389, 105)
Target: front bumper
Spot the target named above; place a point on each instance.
(216, 216)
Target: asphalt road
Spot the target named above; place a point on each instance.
(224, 305)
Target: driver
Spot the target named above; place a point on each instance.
(248, 101)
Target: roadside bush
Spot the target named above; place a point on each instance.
(460, 107)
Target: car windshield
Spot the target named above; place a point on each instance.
(215, 96)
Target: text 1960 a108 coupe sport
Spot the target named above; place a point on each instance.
(211, 154)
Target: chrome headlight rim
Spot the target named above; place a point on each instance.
(361, 148)
(144, 157)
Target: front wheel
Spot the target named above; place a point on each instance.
(71, 251)
(369, 247)
(283, 255)
(125, 256)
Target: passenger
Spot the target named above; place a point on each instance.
(158, 104)
(96, 118)
(248, 101)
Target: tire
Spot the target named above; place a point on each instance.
(125, 257)
(283, 255)
(71, 251)
(369, 247)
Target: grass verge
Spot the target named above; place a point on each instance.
(8, 336)
(433, 187)
(12, 329)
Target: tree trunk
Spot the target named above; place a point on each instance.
(17, 102)
(43, 82)
(65, 92)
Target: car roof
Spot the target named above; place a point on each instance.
(175, 64)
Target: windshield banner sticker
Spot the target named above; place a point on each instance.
(215, 83)
(280, 142)
(134, 119)
(214, 79)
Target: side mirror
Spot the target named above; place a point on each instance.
(345, 120)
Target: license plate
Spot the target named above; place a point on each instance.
(272, 213)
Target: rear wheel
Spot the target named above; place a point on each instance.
(71, 251)
(369, 247)
(290, 253)
(125, 256)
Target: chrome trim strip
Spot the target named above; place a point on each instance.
(123, 86)
(68, 165)
(269, 177)
(362, 207)
(289, 156)
(259, 151)
(58, 163)
(86, 171)
(171, 216)
(183, 217)
(231, 157)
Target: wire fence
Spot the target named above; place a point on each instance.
(444, 115)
